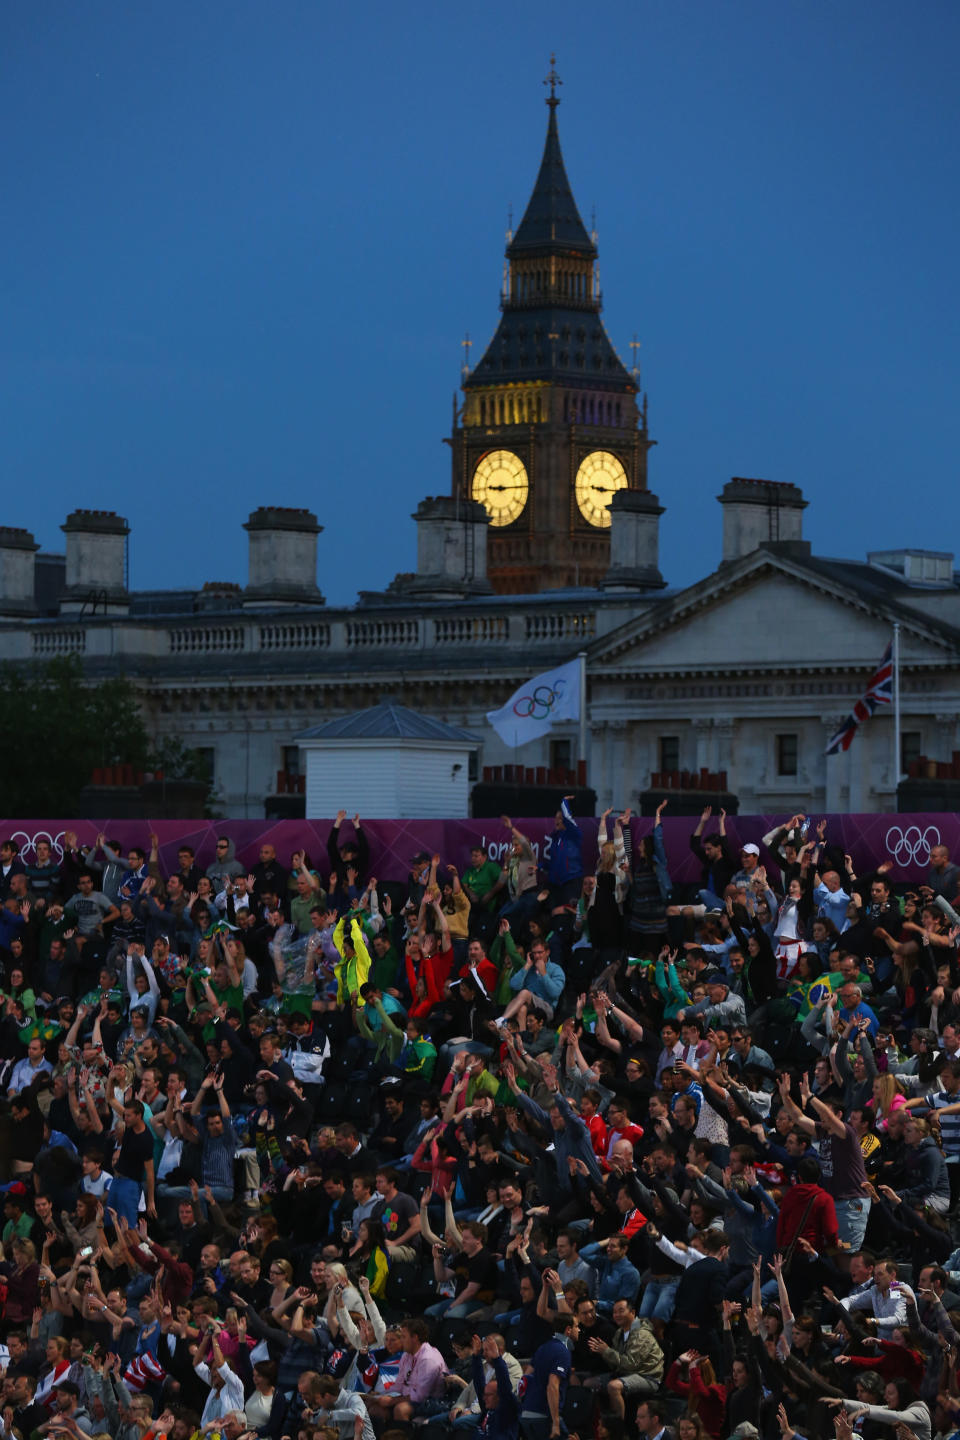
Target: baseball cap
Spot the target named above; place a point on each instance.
(750, 849)
(420, 856)
(745, 1429)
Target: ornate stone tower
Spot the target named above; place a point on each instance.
(550, 427)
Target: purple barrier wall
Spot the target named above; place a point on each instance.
(904, 839)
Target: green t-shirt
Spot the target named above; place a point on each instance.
(385, 970)
(481, 880)
(230, 995)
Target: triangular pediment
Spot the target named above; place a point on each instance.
(768, 612)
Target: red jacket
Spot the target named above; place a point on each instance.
(487, 974)
(820, 1226)
(633, 1133)
(598, 1134)
(177, 1280)
(892, 1362)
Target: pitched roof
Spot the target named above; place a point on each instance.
(549, 335)
(387, 722)
(551, 220)
(849, 582)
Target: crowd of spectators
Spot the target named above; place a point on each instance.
(510, 1148)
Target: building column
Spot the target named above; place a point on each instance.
(622, 786)
(837, 785)
(598, 775)
(944, 737)
(723, 729)
(703, 732)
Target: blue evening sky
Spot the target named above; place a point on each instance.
(243, 242)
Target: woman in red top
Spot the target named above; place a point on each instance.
(441, 1166)
(423, 986)
(706, 1397)
(895, 1360)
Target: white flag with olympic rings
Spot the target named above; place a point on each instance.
(538, 704)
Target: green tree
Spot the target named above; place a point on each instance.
(56, 727)
(177, 761)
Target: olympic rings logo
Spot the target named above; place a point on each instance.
(28, 843)
(539, 705)
(911, 845)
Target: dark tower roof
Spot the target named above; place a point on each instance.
(547, 332)
(551, 221)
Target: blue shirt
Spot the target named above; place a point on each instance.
(832, 904)
(131, 881)
(618, 1279)
(565, 858)
(552, 1358)
(693, 1092)
(218, 1153)
(548, 986)
(860, 1012)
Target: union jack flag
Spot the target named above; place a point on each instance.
(878, 692)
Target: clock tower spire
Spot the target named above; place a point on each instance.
(549, 428)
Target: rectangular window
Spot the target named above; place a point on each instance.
(668, 749)
(291, 759)
(473, 764)
(206, 762)
(786, 754)
(911, 748)
(561, 754)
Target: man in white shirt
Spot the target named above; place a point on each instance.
(226, 1388)
(886, 1299)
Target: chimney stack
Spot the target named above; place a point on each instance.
(634, 542)
(96, 575)
(282, 557)
(761, 512)
(451, 548)
(17, 551)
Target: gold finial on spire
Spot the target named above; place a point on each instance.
(635, 346)
(467, 344)
(553, 80)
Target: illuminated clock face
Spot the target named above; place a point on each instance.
(500, 484)
(599, 478)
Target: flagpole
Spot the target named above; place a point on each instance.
(582, 657)
(896, 705)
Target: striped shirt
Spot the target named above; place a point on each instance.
(949, 1124)
(218, 1154)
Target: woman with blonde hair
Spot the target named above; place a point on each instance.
(603, 897)
(280, 1276)
(54, 1369)
(888, 1096)
(23, 1276)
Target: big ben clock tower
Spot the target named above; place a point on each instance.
(550, 427)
